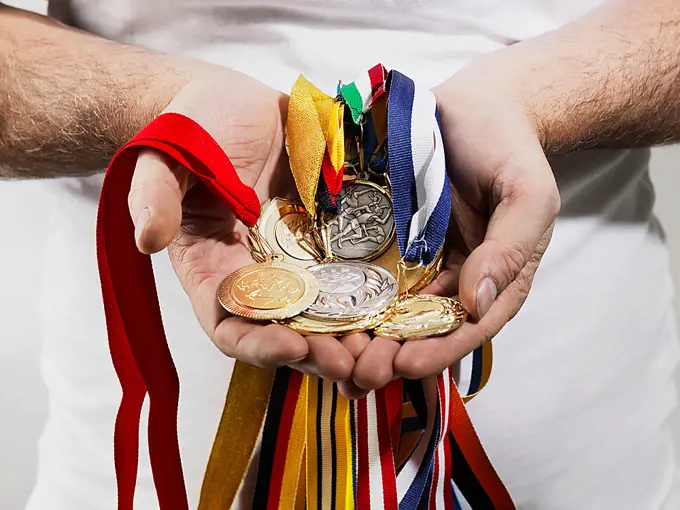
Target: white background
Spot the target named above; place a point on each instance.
(23, 405)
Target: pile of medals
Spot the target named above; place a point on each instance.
(330, 262)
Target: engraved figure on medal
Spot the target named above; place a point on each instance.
(268, 289)
(364, 226)
(349, 290)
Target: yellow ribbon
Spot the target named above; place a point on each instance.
(242, 418)
(293, 478)
(315, 124)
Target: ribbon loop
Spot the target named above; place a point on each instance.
(137, 340)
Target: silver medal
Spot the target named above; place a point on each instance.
(351, 289)
(364, 226)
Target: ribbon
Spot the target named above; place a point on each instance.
(232, 451)
(361, 94)
(366, 100)
(315, 128)
(417, 169)
(137, 340)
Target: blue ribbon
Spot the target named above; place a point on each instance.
(424, 248)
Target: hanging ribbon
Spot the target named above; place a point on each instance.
(417, 168)
(366, 100)
(137, 340)
(314, 128)
(361, 94)
(232, 450)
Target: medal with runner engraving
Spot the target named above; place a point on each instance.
(363, 227)
(349, 290)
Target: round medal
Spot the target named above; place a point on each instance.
(268, 290)
(348, 290)
(422, 316)
(364, 226)
(287, 228)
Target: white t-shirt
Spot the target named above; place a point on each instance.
(576, 413)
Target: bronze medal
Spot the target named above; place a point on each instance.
(268, 290)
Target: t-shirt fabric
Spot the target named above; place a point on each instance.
(576, 413)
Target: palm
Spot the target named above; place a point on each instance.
(504, 203)
(208, 243)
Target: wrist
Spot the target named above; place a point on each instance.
(163, 77)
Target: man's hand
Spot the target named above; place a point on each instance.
(205, 241)
(505, 201)
(607, 80)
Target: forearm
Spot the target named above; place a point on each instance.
(608, 80)
(69, 100)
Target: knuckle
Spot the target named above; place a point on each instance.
(341, 369)
(523, 283)
(133, 199)
(372, 379)
(514, 259)
(415, 367)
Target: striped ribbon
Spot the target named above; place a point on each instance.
(367, 101)
(361, 94)
(417, 170)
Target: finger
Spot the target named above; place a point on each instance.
(523, 214)
(421, 358)
(374, 368)
(155, 200)
(326, 358)
(261, 345)
(355, 343)
(349, 390)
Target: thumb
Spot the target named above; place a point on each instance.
(155, 200)
(520, 225)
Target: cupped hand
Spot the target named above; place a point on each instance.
(204, 239)
(505, 201)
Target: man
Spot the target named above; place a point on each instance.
(576, 413)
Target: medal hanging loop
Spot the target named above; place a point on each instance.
(260, 249)
(402, 269)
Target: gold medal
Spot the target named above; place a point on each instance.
(417, 317)
(289, 231)
(268, 290)
(310, 326)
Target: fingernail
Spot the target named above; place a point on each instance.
(486, 294)
(142, 219)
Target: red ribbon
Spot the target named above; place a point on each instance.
(139, 349)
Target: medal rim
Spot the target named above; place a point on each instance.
(313, 326)
(408, 333)
(226, 297)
